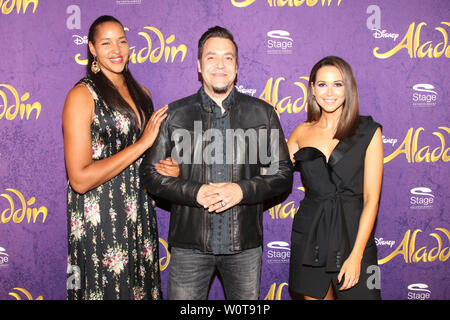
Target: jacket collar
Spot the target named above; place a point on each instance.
(207, 103)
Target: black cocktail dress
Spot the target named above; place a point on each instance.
(325, 228)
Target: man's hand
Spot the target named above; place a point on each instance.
(224, 196)
(205, 194)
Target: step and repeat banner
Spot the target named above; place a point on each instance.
(399, 51)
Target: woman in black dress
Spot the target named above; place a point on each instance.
(340, 157)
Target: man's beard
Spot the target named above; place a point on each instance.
(220, 90)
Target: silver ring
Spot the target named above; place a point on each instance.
(223, 204)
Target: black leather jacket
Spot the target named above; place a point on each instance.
(190, 222)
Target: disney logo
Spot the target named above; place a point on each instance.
(241, 89)
(382, 242)
(79, 40)
(391, 141)
(378, 34)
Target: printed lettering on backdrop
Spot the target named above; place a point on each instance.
(399, 52)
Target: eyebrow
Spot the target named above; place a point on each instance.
(342, 80)
(106, 38)
(214, 53)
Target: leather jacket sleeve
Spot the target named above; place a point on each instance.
(279, 176)
(177, 190)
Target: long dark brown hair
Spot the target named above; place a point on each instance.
(110, 93)
(349, 120)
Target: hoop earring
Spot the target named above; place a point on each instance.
(94, 66)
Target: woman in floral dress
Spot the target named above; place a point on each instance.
(108, 123)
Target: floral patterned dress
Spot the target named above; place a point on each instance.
(112, 230)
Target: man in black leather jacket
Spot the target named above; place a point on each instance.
(232, 156)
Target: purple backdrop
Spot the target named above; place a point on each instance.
(400, 54)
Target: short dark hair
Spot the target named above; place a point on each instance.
(349, 121)
(213, 32)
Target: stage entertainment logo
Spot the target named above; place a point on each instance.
(278, 252)
(421, 198)
(424, 95)
(4, 258)
(279, 42)
(419, 291)
(122, 2)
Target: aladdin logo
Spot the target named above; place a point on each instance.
(25, 292)
(410, 147)
(165, 258)
(4, 257)
(284, 211)
(287, 104)
(19, 107)
(422, 198)
(154, 50)
(280, 42)
(418, 291)
(18, 5)
(275, 293)
(279, 252)
(417, 49)
(23, 211)
(424, 95)
(289, 3)
(408, 248)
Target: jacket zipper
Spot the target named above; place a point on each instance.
(206, 220)
(231, 180)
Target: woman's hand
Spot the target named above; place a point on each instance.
(350, 271)
(152, 128)
(168, 167)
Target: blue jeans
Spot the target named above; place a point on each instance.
(191, 272)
